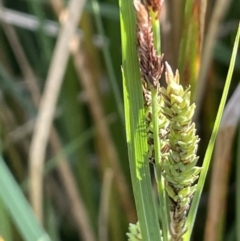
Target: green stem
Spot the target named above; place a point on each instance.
(108, 61)
(159, 177)
(156, 31)
(157, 147)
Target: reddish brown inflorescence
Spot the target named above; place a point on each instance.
(150, 63)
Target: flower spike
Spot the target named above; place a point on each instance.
(179, 168)
(150, 63)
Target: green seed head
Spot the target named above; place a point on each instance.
(179, 168)
(134, 233)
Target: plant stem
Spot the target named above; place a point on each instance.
(156, 31)
(159, 177)
(107, 57)
(157, 146)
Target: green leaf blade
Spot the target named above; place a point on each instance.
(193, 210)
(135, 127)
(18, 207)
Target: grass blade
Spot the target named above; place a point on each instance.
(5, 227)
(135, 126)
(19, 208)
(207, 158)
(189, 57)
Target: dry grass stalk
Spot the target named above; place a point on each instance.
(48, 104)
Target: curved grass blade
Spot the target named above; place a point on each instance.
(18, 207)
(193, 210)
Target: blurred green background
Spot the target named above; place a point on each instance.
(86, 161)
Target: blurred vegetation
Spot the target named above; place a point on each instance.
(89, 144)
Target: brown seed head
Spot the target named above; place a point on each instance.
(150, 63)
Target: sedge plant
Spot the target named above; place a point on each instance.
(160, 130)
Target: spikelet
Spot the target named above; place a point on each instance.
(179, 168)
(134, 233)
